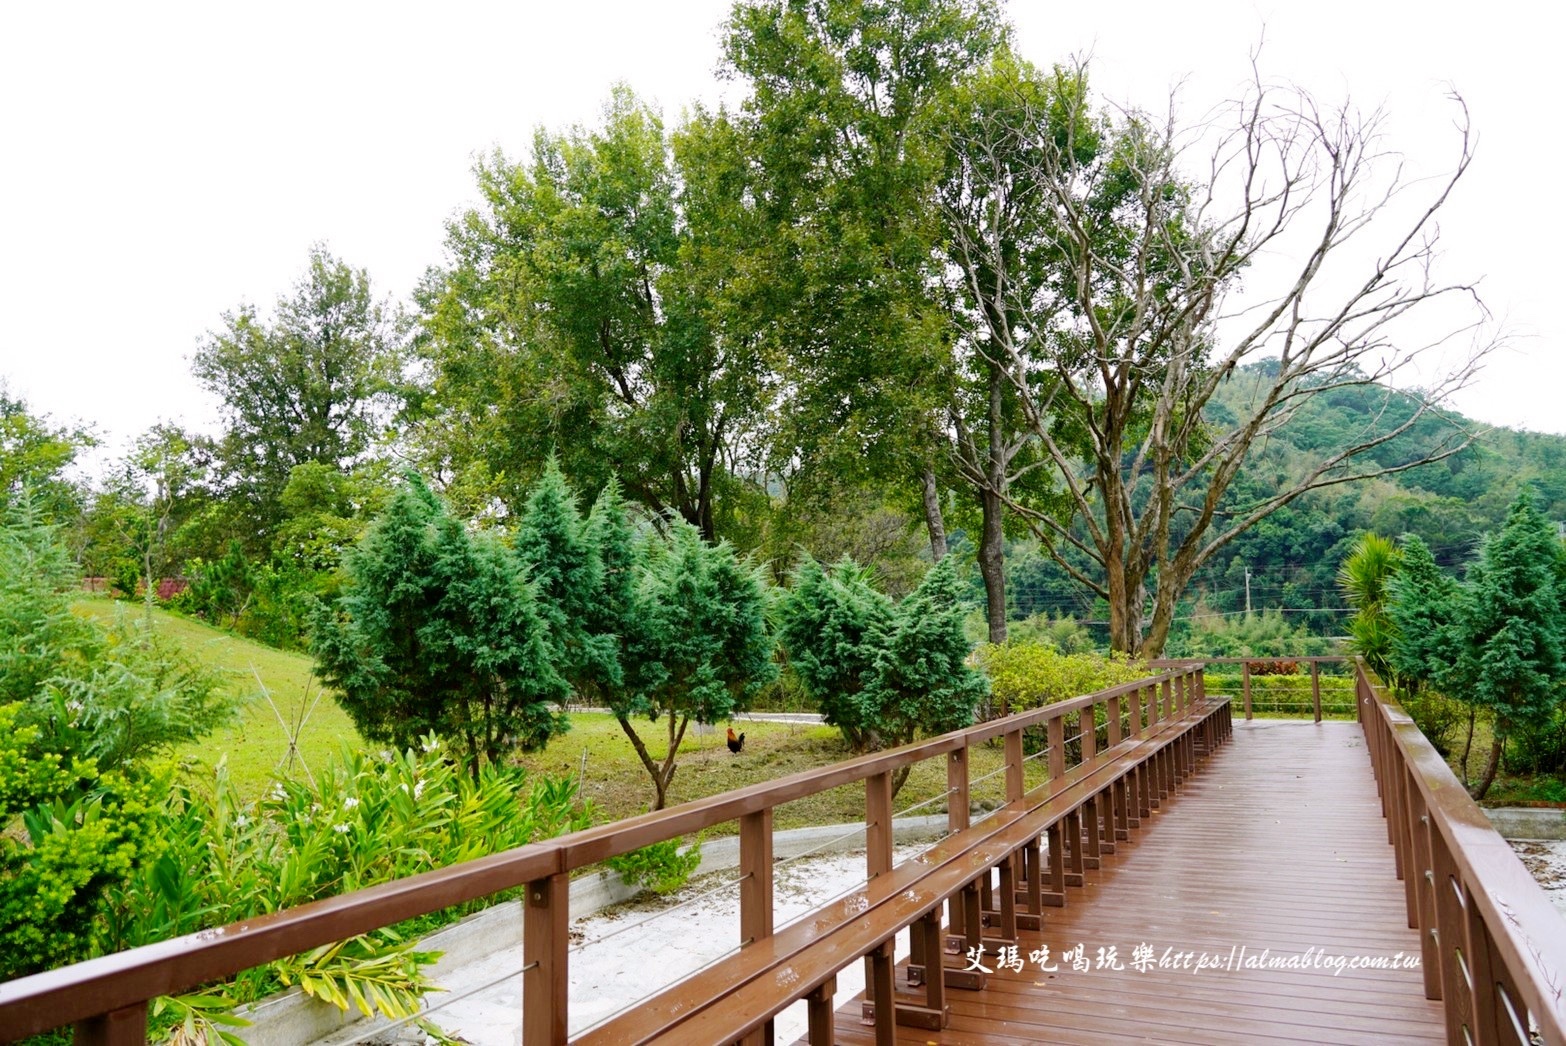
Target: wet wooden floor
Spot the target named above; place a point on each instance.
(1277, 847)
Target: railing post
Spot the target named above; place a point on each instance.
(756, 894)
(1015, 784)
(1087, 726)
(878, 861)
(1315, 688)
(124, 1027)
(1113, 707)
(545, 937)
(956, 817)
(1245, 687)
(756, 872)
(1056, 732)
(1166, 699)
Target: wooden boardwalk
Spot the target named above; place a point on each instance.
(1277, 846)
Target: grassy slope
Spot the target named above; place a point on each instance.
(258, 743)
(614, 778)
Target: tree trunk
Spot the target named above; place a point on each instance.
(1468, 742)
(933, 520)
(1490, 767)
(992, 565)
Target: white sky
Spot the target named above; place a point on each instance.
(160, 163)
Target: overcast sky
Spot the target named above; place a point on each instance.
(160, 164)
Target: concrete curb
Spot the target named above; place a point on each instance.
(1528, 822)
(292, 1017)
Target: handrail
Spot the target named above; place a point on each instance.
(106, 998)
(1245, 663)
(1494, 947)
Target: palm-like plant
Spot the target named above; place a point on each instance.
(1365, 578)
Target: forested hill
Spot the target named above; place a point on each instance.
(1294, 554)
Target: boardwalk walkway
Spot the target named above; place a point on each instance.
(1277, 845)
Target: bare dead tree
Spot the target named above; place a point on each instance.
(1101, 278)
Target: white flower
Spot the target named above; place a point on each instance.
(432, 744)
(418, 789)
(240, 820)
(386, 755)
(403, 786)
(350, 803)
(341, 829)
(315, 808)
(278, 793)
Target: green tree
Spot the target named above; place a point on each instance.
(923, 683)
(611, 616)
(834, 627)
(1421, 604)
(701, 649)
(846, 97)
(1510, 658)
(114, 695)
(594, 308)
(313, 385)
(437, 631)
(34, 455)
(564, 565)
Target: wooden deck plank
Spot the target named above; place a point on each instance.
(1276, 843)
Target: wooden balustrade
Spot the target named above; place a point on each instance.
(106, 998)
(1491, 942)
(1485, 927)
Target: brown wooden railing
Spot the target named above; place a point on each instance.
(1494, 947)
(106, 999)
(1246, 674)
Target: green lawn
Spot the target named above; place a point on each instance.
(258, 743)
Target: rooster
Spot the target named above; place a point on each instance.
(736, 743)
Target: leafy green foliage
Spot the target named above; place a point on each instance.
(922, 682)
(659, 867)
(34, 455)
(833, 626)
(311, 386)
(437, 631)
(365, 818)
(701, 648)
(563, 563)
(595, 309)
(1027, 675)
(82, 836)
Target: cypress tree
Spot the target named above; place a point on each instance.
(437, 631)
(1509, 629)
(834, 626)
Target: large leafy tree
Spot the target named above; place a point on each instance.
(700, 648)
(438, 631)
(34, 454)
(845, 99)
(596, 307)
(312, 385)
(1510, 657)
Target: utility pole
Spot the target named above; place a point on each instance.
(1247, 591)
